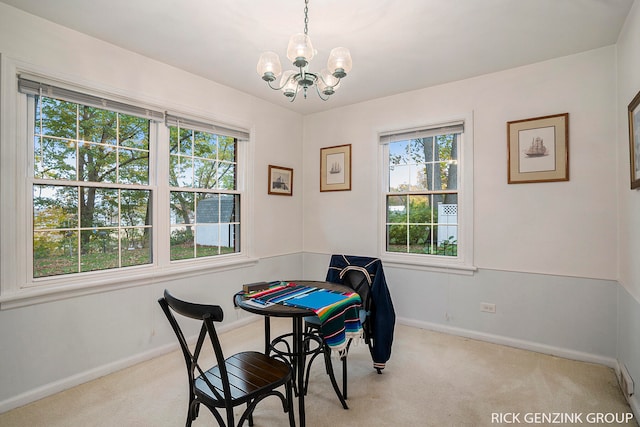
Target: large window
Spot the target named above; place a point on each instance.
(205, 203)
(113, 185)
(423, 200)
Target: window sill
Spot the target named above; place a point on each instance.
(419, 263)
(111, 281)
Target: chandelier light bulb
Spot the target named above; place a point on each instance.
(289, 84)
(269, 67)
(300, 50)
(339, 62)
(327, 83)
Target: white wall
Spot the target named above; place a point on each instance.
(47, 347)
(564, 228)
(629, 204)
(546, 252)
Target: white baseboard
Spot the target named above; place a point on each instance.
(512, 342)
(100, 371)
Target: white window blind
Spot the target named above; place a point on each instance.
(407, 134)
(31, 86)
(204, 126)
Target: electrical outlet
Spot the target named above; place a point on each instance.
(487, 307)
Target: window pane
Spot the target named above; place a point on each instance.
(205, 145)
(420, 209)
(133, 132)
(136, 246)
(205, 173)
(397, 209)
(226, 176)
(399, 153)
(444, 246)
(399, 178)
(55, 118)
(397, 238)
(182, 243)
(135, 208)
(54, 159)
(419, 238)
(98, 249)
(134, 167)
(55, 253)
(227, 149)
(99, 207)
(207, 209)
(208, 239)
(97, 125)
(181, 142)
(182, 207)
(97, 163)
(55, 207)
(181, 173)
(230, 207)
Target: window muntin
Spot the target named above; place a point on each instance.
(204, 196)
(90, 188)
(422, 194)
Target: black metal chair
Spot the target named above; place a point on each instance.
(360, 282)
(244, 378)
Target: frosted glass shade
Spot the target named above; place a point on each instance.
(327, 83)
(289, 85)
(269, 67)
(339, 62)
(300, 51)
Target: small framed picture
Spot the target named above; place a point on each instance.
(538, 149)
(335, 168)
(634, 141)
(280, 180)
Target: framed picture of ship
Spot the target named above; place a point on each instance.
(634, 140)
(280, 180)
(538, 149)
(335, 168)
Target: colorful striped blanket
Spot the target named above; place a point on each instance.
(338, 312)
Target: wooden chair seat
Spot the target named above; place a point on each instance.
(250, 374)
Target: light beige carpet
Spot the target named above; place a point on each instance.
(432, 379)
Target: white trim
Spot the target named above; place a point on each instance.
(463, 263)
(512, 342)
(77, 285)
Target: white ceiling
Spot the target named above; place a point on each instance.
(396, 45)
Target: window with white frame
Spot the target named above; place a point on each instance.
(98, 172)
(424, 203)
(204, 197)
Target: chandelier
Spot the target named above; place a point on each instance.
(300, 52)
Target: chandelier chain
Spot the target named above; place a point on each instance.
(306, 17)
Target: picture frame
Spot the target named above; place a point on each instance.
(280, 180)
(634, 141)
(335, 168)
(538, 149)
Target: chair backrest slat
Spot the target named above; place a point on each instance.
(207, 314)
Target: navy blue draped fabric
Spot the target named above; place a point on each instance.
(382, 317)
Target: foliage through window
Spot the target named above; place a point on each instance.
(422, 192)
(205, 203)
(94, 190)
(91, 196)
